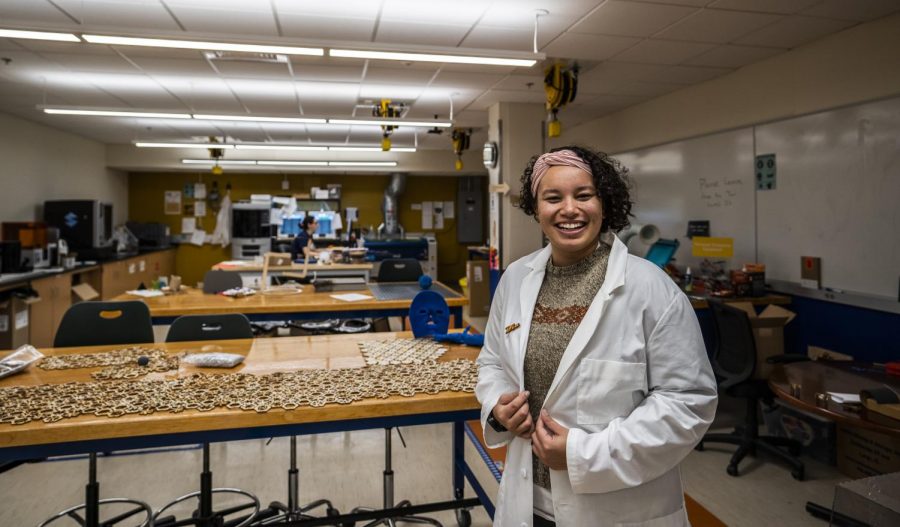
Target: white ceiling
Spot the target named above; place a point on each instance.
(628, 50)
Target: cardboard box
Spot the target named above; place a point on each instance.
(816, 434)
(478, 278)
(13, 322)
(862, 453)
(768, 330)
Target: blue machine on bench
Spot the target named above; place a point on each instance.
(422, 249)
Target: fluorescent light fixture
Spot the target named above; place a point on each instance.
(280, 147)
(392, 122)
(115, 113)
(208, 46)
(362, 163)
(39, 35)
(222, 162)
(294, 163)
(182, 145)
(370, 149)
(259, 119)
(427, 57)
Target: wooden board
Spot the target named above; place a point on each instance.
(262, 356)
(194, 302)
(253, 267)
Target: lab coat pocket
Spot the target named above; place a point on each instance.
(608, 389)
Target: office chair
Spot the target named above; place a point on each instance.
(209, 327)
(214, 282)
(105, 323)
(734, 362)
(399, 270)
(97, 324)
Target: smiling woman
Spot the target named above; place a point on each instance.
(593, 369)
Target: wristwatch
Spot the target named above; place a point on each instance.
(495, 424)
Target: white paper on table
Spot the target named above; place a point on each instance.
(199, 190)
(427, 215)
(198, 237)
(449, 211)
(146, 293)
(199, 209)
(842, 398)
(351, 297)
(188, 225)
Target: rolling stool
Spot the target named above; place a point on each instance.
(279, 512)
(92, 502)
(204, 515)
(389, 492)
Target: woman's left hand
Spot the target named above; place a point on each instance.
(549, 442)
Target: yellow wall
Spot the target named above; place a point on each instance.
(146, 193)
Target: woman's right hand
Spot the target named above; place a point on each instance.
(512, 412)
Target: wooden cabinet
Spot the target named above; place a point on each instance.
(130, 273)
(56, 297)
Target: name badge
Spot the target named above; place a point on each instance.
(512, 327)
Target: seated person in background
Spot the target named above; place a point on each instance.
(302, 246)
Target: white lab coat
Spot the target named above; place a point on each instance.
(634, 387)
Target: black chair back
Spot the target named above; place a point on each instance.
(735, 357)
(214, 282)
(399, 270)
(209, 327)
(105, 323)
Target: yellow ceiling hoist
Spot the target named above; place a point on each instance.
(386, 110)
(561, 86)
(460, 140)
(216, 154)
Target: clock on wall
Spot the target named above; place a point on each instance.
(489, 154)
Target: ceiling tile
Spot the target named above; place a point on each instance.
(784, 7)
(859, 10)
(398, 32)
(692, 3)
(324, 27)
(519, 14)
(495, 96)
(232, 19)
(463, 80)
(731, 56)
(710, 25)
(22, 12)
(589, 47)
(113, 15)
(521, 82)
(642, 89)
(358, 8)
(461, 12)
(631, 19)
(328, 73)
(156, 66)
(395, 92)
(92, 63)
(626, 71)
(693, 74)
(492, 37)
(794, 31)
(384, 74)
(662, 52)
(242, 68)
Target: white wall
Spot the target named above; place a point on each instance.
(38, 163)
(856, 65)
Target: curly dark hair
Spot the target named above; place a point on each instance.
(610, 179)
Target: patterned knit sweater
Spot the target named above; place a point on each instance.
(564, 298)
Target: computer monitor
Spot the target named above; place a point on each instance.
(662, 252)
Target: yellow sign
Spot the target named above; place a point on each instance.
(708, 247)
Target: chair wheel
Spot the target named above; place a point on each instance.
(463, 518)
(732, 470)
(798, 473)
(699, 447)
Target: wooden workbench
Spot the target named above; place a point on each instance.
(307, 304)
(262, 356)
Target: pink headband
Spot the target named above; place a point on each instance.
(552, 159)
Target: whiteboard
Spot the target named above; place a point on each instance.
(705, 178)
(837, 197)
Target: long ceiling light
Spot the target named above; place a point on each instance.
(115, 113)
(429, 57)
(208, 46)
(38, 35)
(392, 122)
(261, 119)
(259, 146)
(254, 162)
